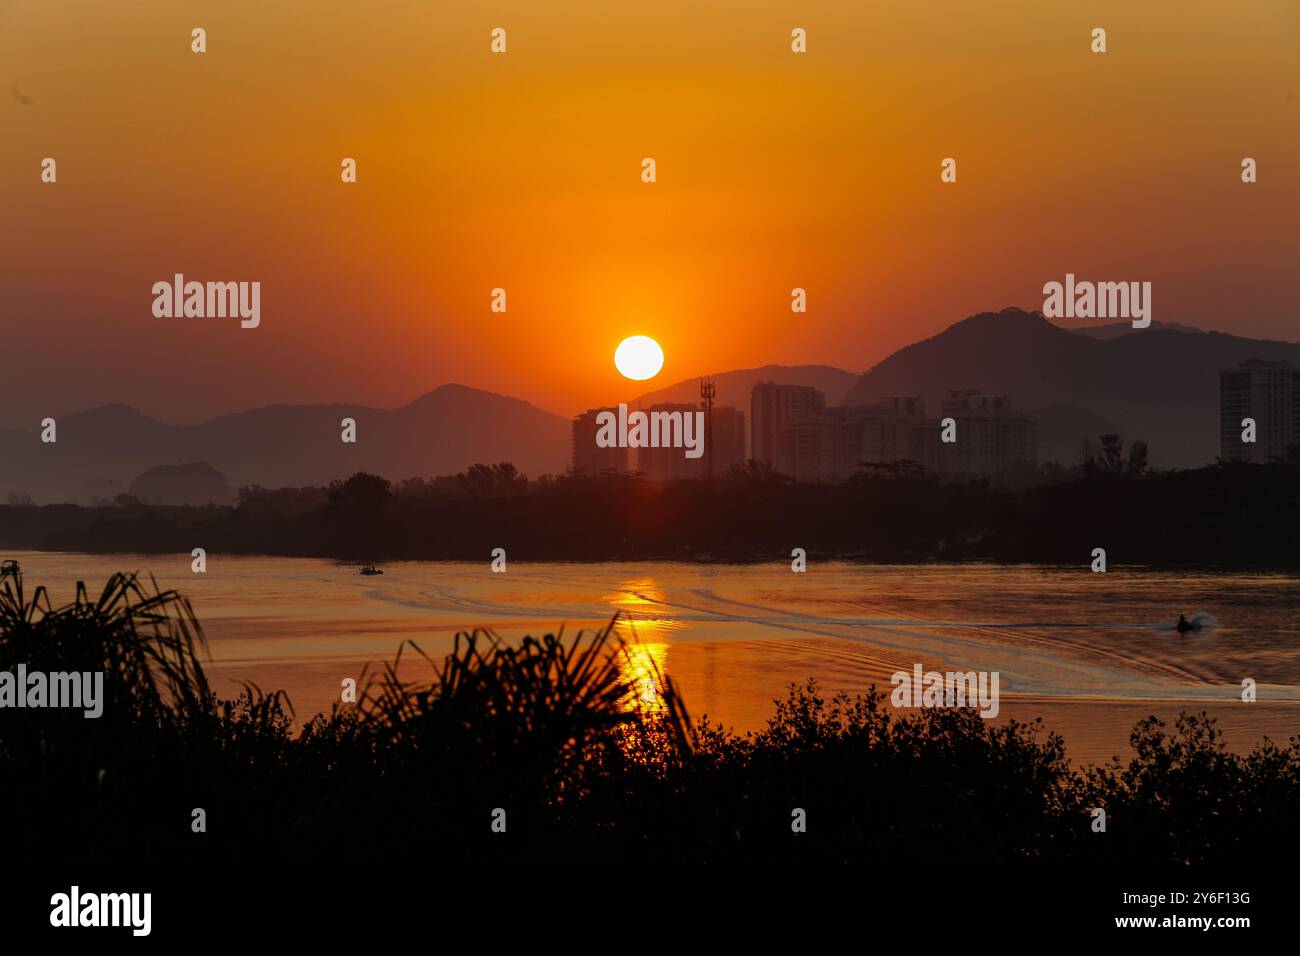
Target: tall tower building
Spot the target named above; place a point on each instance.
(771, 406)
(669, 463)
(726, 444)
(590, 459)
(991, 436)
(890, 427)
(824, 447)
(1268, 392)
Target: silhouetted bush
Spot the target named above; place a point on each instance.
(592, 761)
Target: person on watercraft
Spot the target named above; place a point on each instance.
(1184, 625)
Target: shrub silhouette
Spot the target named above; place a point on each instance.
(590, 763)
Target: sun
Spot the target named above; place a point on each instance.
(639, 357)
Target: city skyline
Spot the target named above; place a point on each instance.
(1161, 385)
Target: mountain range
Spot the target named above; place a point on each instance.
(98, 453)
(1159, 384)
(733, 387)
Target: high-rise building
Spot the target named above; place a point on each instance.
(771, 406)
(833, 443)
(888, 428)
(725, 444)
(991, 436)
(589, 458)
(1268, 392)
(907, 406)
(670, 463)
(826, 447)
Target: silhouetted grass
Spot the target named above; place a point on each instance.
(591, 760)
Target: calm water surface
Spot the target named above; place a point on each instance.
(1085, 651)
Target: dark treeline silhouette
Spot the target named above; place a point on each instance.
(1229, 514)
(588, 764)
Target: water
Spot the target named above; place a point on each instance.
(1090, 653)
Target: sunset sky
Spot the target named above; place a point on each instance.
(522, 171)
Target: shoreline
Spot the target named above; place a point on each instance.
(775, 558)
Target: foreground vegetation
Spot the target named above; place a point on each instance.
(590, 764)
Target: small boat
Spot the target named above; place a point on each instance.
(369, 569)
(1199, 623)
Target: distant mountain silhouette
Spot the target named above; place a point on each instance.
(734, 386)
(196, 483)
(1159, 384)
(443, 432)
(1116, 329)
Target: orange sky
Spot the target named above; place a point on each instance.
(522, 171)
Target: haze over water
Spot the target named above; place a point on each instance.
(1085, 651)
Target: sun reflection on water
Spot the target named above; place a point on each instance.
(644, 662)
(643, 665)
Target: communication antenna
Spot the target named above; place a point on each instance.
(707, 391)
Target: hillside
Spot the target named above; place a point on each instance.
(99, 452)
(1160, 384)
(734, 386)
